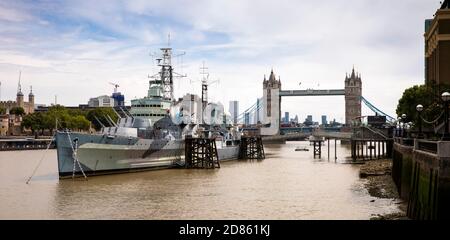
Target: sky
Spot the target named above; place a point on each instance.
(74, 49)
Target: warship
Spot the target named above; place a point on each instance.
(150, 135)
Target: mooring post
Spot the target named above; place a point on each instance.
(362, 149)
(328, 149)
(317, 148)
(335, 150)
(320, 149)
(357, 149)
(352, 144)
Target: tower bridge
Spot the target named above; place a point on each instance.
(312, 92)
(272, 95)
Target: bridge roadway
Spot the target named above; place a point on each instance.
(312, 92)
(323, 134)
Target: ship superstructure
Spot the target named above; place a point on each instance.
(160, 95)
(146, 137)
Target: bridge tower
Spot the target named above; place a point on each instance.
(353, 93)
(271, 102)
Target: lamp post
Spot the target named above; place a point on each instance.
(404, 126)
(419, 109)
(399, 126)
(410, 125)
(446, 98)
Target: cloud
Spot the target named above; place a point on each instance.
(9, 14)
(83, 45)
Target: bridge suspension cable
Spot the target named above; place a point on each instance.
(376, 110)
(252, 109)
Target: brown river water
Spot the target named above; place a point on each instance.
(286, 185)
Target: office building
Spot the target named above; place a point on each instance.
(286, 117)
(234, 111)
(437, 47)
(101, 101)
(324, 120)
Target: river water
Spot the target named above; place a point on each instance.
(286, 185)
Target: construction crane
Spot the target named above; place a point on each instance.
(115, 86)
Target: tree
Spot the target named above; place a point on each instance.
(78, 122)
(102, 115)
(33, 121)
(2, 110)
(70, 119)
(428, 96)
(56, 114)
(17, 111)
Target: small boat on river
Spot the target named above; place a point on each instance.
(299, 149)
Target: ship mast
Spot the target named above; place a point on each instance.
(166, 75)
(204, 72)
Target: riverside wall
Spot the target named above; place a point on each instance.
(421, 172)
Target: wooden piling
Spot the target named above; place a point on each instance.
(317, 148)
(251, 148)
(335, 150)
(328, 149)
(201, 153)
(365, 149)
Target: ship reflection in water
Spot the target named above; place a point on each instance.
(286, 185)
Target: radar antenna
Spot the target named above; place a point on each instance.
(164, 78)
(205, 83)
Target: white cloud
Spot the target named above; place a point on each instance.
(13, 15)
(305, 41)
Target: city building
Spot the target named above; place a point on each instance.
(309, 120)
(28, 107)
(295, 120)
(119, 99)
(324, 120)
(10, 125)
(286, 117)
(4, 124)
(247, 118)
(437, 47)
(101, 101)
(234, 111)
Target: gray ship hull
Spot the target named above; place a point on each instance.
(102, 154)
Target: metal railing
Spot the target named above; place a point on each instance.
(427, 146)
(404, 141)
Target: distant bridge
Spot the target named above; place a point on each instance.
(288, 130)
(312, 92)
(302, 135)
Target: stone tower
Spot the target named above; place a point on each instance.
(353, 93)
(31, 101)
(19, 97)
(271, 105)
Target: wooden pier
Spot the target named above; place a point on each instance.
(317, 147)
(369, 149)
(251, 148)
(201, 153)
